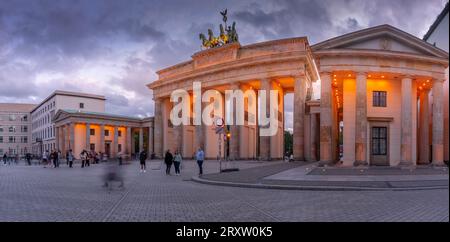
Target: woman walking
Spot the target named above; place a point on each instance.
(83, 157)
(177, 162)
(168, 159)
(142, 158)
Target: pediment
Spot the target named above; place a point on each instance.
(382, 38)
(61, 114)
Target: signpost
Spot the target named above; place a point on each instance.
(219, 123)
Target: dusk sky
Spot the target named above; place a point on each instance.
(114, 47)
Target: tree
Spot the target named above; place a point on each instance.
(288, 140)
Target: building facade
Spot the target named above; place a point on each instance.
(374, 99)
(114, 135)
(438, 35)
(15, 129)
(43, 128)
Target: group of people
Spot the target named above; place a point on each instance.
(8, 159)
(176, 160)
(51, 158)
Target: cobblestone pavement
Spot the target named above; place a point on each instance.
(46, 194)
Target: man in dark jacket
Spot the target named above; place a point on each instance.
(168, 159)
(142, 158)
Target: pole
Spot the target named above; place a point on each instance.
(220, 153)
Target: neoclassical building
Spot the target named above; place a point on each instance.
(375, 105)
(112, 134)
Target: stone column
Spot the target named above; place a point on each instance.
(299, 115)
(102, 138)
(62, 141)
(313, 135)
(128, 141)
(72, 136)
(150, 140)
(361, 119)
(234, 129)
(115, 142)
(141, 139)
(326, 119)
(158, 132)
(88, 136)
(200, 128)
(264, 141)
(424, 135)
(57, 138)
(406, 120)
(438, 123)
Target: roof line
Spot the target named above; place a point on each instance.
(438, 20)
(67, 93)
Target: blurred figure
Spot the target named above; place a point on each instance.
(28, 157)
(5, 158)
(45, 158)
(83, 157)
(142, 158)
(168, 159)
(70, 158)
(177, 162)
(113, 173)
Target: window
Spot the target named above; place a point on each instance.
(81, 105)
(119, 133)
(92, 146)
(379, 98)
(379, 140)
(92, 131)
(1, 139)
(119, 148)
(24, 129)
(106, 132)
(1, 129)
(12, 117)
(12, 139)
(12, 129)
(24, 118)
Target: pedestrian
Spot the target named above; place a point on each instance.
(168, 159)
(83, 157)
(105, 157)
(142, 159)
(54, 156)
(200, 156)
(69, 158)
(58, 158)
(45, 158)
(88, 158)
(177, 162)
(28, 157)
(5, 157)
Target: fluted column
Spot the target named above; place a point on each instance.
(264, 141)
(406, 120)
(150, 140)
(57, 138)
(88, 136)
(141, 139)
(424, 134)
(102, 138)
(234, 128)
(158, 132)
(313, 135)
(326, 120)
(438, 123)
(128, 141)
(361, 119)
(71, 136)
(299, 116)
(115, 141)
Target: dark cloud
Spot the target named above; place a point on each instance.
(114, 47)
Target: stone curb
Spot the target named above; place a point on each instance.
(311, 188)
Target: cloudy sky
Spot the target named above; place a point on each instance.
(114, 47)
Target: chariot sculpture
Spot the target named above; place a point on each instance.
(228, 34)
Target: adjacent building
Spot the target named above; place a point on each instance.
(43, 132)
(438, 36)
(15, 129)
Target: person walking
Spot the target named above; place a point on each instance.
(28, 157)
(45, 158)
(5, 158)
(200, 156)
(69, 158)
(83, 157)
(58, 157)
(177, 162)
(168, 159)
(142, 159)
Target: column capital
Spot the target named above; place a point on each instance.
(361, 73)
(437, 80)
(325, 73)
(406, 76)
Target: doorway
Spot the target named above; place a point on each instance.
(379, 145)
(108, 149)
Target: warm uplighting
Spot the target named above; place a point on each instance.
(420, 88)
(428, 80)
(335, 79)
(382, 76)
(349, 75)
(335, 75)
(370, 75)
(423, 84)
